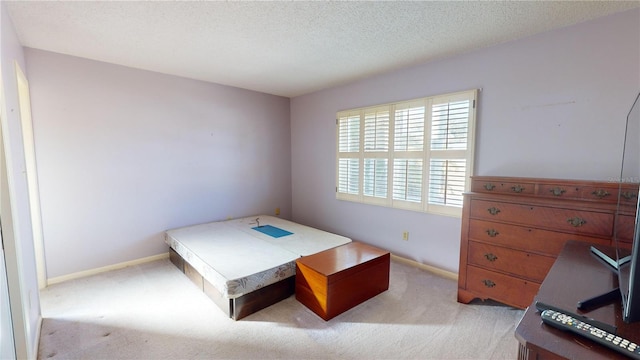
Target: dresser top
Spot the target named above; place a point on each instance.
(607, 182)
(605, 192)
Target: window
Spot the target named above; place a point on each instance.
(414, 155)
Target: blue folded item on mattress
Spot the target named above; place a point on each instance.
(272, 231)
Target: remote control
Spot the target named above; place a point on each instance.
(565, 322)
(612, 329)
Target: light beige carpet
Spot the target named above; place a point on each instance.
(152, 311)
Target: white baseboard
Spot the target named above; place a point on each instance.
(95, 271)
(444, 273)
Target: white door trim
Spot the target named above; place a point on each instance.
(28, 139)
(7, 344)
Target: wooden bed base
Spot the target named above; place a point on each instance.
(241, 306)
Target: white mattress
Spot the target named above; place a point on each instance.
(237, 259)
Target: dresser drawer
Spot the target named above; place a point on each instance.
(629, 196)
(559, 191)
(521, 263)
(503, 187)
(525, 238)
(506, 289)
(567, 220)
(600, 193)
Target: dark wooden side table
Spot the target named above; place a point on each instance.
(576, 275)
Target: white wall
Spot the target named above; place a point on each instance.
(552, 105)
(18, 237)
(124, 154)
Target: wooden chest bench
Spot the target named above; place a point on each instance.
(335, 280)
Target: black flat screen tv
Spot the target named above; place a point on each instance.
(626, 263)
(629, 264)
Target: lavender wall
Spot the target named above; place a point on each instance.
(125, 154)
(552, 105)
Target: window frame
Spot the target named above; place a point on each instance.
(392, 155)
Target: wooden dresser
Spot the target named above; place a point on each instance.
(514, 228)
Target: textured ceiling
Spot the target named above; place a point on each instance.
(286, 48)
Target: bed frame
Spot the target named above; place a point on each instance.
(241, 306)
(246, 264)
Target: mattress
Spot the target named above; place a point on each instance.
(241, 255)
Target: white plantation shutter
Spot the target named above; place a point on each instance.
(409, 127)
(407, 180)
(349, 130)
(408, 163)
(415, 155)
(375, 177)
(452, 119)
(376, 130)
(376, 152)
(447, 181)
(449, 125)
(348, 174)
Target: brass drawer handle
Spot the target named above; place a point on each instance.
(629, 195)
(491, 257)
(489, 186)
(558, 191)
(600, 193)
(492, 232)
(488, 283)
(517, 188)
(576, 221)
(493, 210)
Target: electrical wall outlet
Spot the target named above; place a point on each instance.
(277, 211)
(405, 235)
